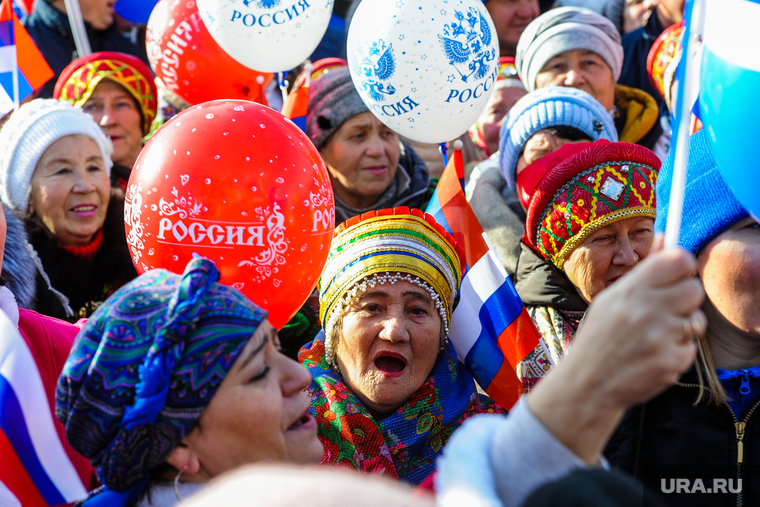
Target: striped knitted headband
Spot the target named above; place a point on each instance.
(389, 245)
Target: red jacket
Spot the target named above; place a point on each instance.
(50, 342)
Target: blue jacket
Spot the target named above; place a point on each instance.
(49, 28)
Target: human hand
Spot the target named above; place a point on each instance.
(636, 340)
(638, 336)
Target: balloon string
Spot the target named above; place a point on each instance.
(309, 68)
(443, 154)
(283, 85)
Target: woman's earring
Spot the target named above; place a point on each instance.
(176, 484)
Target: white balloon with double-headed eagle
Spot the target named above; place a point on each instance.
(267, 35)
(425, 69)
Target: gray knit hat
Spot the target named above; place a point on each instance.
(566, 29)
(333, 100)
(29, 132)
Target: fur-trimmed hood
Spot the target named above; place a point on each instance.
(19, 271)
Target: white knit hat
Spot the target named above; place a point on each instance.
(26, 136)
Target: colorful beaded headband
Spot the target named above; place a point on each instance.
(388, 246)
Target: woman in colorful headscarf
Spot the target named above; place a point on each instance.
(387, 388)
(590, 221)
(118, 91)
(176, 380)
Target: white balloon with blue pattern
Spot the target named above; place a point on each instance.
(267, 35)
(426, 69)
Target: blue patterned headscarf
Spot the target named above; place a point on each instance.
(145, 367)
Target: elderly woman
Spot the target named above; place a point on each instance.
(715, 403)
(370, 168)
(540, 123)
(118, 91)
(484, 133)
(578, 48)
(199, 388)
(49, 340)
(590, 221)
(388, 390)
(202, 387)
(54, 170)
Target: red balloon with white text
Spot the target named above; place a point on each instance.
(238, 183)
(190, 63)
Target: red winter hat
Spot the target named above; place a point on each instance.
(529, 178)
(593, 188)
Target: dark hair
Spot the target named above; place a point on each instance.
(569, 133)
(161, 474)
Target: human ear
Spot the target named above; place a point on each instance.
(184, 458)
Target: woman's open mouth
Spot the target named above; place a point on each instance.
(305, 422)
(391, 364)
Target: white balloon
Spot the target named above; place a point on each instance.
(426, 69)
(267, 35)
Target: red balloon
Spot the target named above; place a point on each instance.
(238, 183)
(190, 63)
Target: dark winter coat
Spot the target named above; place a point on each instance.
(85, 283)
(636, 46)
(670, 438)
(49, 28)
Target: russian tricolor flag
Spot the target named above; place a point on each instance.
(296, 106)
(33, 464)
(490, 328)
(18, 55)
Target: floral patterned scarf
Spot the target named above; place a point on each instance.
(404, 445)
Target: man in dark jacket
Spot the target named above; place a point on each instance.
(636, 46)
(48, 25)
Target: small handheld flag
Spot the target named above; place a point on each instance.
(34, 467)
(20, 61)
(296, 106)
(490, 328)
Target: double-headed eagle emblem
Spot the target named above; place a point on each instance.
(467, 41)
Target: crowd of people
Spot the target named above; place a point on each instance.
(174, 388)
